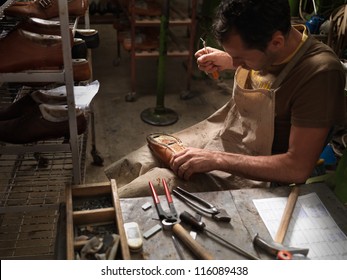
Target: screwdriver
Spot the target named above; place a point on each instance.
(215, 74)
(201, 226)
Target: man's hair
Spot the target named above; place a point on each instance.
(254, 20)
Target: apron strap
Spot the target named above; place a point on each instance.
(292, 62)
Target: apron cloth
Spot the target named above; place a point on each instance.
(245, 125)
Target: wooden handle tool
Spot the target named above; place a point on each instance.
(199, 251)
(287, 214)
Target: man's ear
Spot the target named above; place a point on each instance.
(277, 41)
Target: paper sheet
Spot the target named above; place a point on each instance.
(83, 94)
(311, 226)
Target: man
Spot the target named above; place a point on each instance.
(288, 94)
(257, 35)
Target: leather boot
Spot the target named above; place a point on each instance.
(45, 122)
(26, 104)
(45, 9)
(22, 50)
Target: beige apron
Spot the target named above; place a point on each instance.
(244, 125)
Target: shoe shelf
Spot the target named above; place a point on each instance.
(182, 18)
(33, 176)
(63, 76)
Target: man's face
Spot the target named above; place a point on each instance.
(247, 58)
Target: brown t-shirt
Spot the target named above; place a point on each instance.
(312, 94)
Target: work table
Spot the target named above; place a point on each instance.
(245, 221)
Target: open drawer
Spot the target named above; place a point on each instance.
(93, 211)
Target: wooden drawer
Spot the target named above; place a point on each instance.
(103, 211)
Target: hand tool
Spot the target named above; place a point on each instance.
(276, 248)
(287, 214)
(218, 214)
(284, 255)
(189, 219)
(193, 233)
(215, 74)
(199, 251)
(167, 219)
(170, 222)
(178, 248)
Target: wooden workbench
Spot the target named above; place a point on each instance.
(245, 222)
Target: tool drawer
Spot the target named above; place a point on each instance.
(94, 222)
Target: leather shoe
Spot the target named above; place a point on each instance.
(45, 122)
(79, 49)
(164, 146)
(81, 70)
(46, 9)
(22, 50)
(41, 26)
(26, 104)
(90, 36)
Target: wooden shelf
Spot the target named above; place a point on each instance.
(179, 17)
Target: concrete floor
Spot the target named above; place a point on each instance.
(119, 128)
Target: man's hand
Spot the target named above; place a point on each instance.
(193, 160)
(212, 60)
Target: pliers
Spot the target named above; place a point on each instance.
(167, 219)
(200, 204)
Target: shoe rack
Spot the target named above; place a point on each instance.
(178, 45)
(64, 76)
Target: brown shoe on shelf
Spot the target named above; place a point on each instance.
(90, 36)
(46, 9)
(41, 26)
(81, 70)
(24, 105)
(79, 49)
(164, 146)
(28, 103)
(45, 122)
(22, 50)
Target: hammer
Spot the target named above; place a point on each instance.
(199, 251)
(275, 247)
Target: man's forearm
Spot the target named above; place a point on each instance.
(274, 168)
